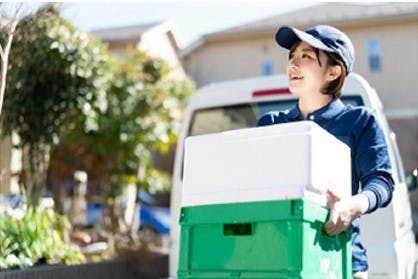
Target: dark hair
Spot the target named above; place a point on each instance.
(334, 87)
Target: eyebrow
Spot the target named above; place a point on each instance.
(306, 49)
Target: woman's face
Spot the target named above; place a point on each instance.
(306, 70)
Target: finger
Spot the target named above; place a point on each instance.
(329, 229)
(338, 230)
(332, 196)
(332, 199)
(330, 203)
(331, 225)
(334, 229)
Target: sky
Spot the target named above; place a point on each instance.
(190, 19)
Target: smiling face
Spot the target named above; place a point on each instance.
(305, 69)
(311, 72)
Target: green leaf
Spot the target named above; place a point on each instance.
(56, 69)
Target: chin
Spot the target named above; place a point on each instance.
(296, 91)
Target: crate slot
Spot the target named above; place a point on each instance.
(238, 229)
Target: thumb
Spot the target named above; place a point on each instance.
(332, 198)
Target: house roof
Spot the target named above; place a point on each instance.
(123, 33)
(135, 33)
(329, 13)
(332, 13)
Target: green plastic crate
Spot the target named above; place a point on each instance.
(270, 239)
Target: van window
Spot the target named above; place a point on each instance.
(219, 119)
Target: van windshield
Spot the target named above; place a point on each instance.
(239, 116)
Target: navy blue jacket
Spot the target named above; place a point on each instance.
(370, 165)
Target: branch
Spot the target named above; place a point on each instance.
(5, 57)
(1, 52)
(18, 10)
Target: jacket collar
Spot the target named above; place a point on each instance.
(328, 111)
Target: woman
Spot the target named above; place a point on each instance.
(319, 60)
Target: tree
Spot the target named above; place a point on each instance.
(139, 120)
(58, 73)
(7, 30)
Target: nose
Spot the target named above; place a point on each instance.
(293, 63)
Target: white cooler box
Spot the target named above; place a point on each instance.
(286, 161)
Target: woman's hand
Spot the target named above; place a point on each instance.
(343, 211)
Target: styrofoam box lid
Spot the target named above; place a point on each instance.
(291, 160)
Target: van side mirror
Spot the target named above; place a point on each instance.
(411, 180)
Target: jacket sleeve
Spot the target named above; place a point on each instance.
(378, 190)
(372, 162)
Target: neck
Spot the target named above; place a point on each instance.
(309, 105)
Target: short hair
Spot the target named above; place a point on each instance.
(335, 87)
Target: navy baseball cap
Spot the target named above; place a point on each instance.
(322, 37)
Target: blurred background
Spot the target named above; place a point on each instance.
(95, 93)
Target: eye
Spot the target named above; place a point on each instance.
(305, 55)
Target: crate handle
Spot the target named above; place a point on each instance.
(238, 229)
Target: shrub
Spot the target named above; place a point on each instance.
(36, 238)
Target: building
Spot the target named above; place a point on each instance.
(158, 40)
(384, 36)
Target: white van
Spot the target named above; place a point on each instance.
(387, 233)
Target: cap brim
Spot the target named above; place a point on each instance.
(287, 36)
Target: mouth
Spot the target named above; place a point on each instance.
(295, 77)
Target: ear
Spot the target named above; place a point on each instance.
(333, 72)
